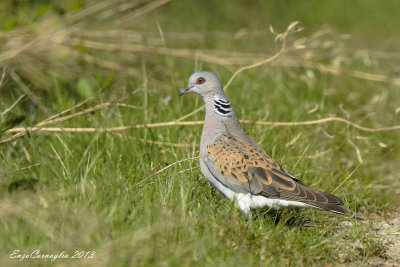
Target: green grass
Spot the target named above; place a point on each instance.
(92, 191)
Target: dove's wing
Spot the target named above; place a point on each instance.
(246, 168)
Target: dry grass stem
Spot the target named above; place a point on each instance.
(338, 71)
(358, 152)
(190, 114)
(13, 105)
(20, 169)
(27, 91)
(3, 76)
(178, 172)
(166, 168)
(294, 140)
(75, 17)
(141, 11)
(324, 120)
(154, 38)
(51, 120)
(89, 110)
(188, 169)
(174, 52)
(45, 122)
(46, 48)
(65, 111)
(152, 142)
(22, 131)
(111, 65)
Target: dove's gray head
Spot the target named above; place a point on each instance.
(204, 83)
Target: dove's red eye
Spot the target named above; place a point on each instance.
(200, 80)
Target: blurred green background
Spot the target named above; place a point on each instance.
(122, 63)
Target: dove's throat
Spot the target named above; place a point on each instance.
(220, 119)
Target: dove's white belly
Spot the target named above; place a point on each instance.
(249, 201)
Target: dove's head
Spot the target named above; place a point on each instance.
(203, 83)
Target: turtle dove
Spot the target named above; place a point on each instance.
(236, 165)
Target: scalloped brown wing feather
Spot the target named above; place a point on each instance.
(238, 164)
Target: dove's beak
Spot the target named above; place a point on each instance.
(184, 91)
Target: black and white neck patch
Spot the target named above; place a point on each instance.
(222, 107)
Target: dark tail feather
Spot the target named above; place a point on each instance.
(336, 208)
